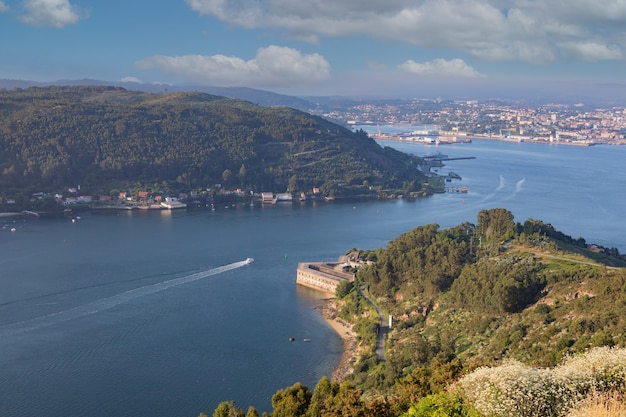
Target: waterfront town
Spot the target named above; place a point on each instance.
(442, 122)
(576, 124)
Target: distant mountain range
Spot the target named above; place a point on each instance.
(260, 97)
(524, 92)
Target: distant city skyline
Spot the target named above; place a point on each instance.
(341, 47)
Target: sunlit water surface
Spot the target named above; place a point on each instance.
(154, 313)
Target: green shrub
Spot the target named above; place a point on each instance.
(444, 404)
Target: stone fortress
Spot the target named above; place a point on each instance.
(325, 276)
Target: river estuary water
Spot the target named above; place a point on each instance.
(154, 313)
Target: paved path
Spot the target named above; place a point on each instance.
(382, 326)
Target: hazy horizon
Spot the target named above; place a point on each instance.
(450, 48)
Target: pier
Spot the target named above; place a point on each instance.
(437, 161)
(173, 205)
(456, 189)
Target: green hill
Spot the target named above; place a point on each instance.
(54, 137)
(496, 318)
(478, 294)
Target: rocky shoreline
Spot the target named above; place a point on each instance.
(349, 337)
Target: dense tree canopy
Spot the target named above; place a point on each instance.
(58, 136)
(445, 287)
(496, 224)
(423, 263)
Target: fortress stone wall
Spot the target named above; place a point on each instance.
(322, 276)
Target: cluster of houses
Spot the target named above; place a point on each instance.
(142, 199)
(146, 200)
(267, 197)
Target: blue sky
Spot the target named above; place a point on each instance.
(321, 47)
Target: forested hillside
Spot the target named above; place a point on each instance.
(497, 318)
(478, 293)
(53, 137)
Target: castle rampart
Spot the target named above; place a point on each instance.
(322, 276)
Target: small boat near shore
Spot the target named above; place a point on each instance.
(249, 260)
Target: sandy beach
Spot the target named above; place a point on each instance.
(349, 337)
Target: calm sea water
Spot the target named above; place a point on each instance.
(131, 313)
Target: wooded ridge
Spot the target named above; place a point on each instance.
(100, 137)
(491, 319)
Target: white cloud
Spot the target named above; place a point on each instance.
(592, 51)
(131, 80)
(273, 66)
(3, 7)
(536, 31)
(456, 68)
(54, 13)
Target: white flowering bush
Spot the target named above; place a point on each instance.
(600, 369)
(515, 390)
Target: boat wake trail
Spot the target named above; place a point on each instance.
(110, 302)
(501, 185)
(491, 195)
(518, 188)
